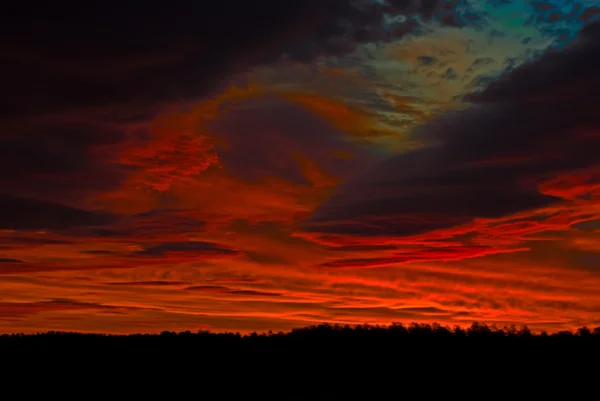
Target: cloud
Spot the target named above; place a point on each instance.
(30, 214)
(255, 293)
(176, 51)
(592, 225)
(199, 248)
(208, 288)
(161, 283)
(75, 129)
(204, 189)
(217, 289)
(556, 78)
(234, 280)
(502, 157)
(419, 255)
(14, 240)
(60, 158)
(18, 310)
(9, 260)
(263, 258)
(97, 252)
(77, 102)
(268, 136)
(157, 223)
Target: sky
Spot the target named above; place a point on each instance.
(264, 165)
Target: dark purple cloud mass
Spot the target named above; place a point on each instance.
(534, 124)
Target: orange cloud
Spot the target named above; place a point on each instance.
(213, 223)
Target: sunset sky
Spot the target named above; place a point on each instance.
(264, 165)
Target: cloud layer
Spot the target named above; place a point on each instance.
(255, 165)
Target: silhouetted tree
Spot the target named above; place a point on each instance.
(331, 355)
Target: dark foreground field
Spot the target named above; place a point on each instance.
(316, 363)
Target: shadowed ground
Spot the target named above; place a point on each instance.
(316, 363)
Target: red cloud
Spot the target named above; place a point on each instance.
(420, 255)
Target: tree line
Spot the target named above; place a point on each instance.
(312, 363)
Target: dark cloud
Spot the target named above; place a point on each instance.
(158, 222)
(98, 252)
(537, 122)
(590, 14)
(234, 280)
(106, 232)
(57, 158)
(591, 225)
(151, 225)
(75, 76)
(226, 290)
(420, 254)
(208, 288)
(74, 55)
(426, 60)
(160, 283)
(29, 214)
(197, 247)
(266, 258)
(256, 293)
(556, 77)
(20, 310)
(265, 136)
(8, 260)
(14, 240)
(363, 248)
